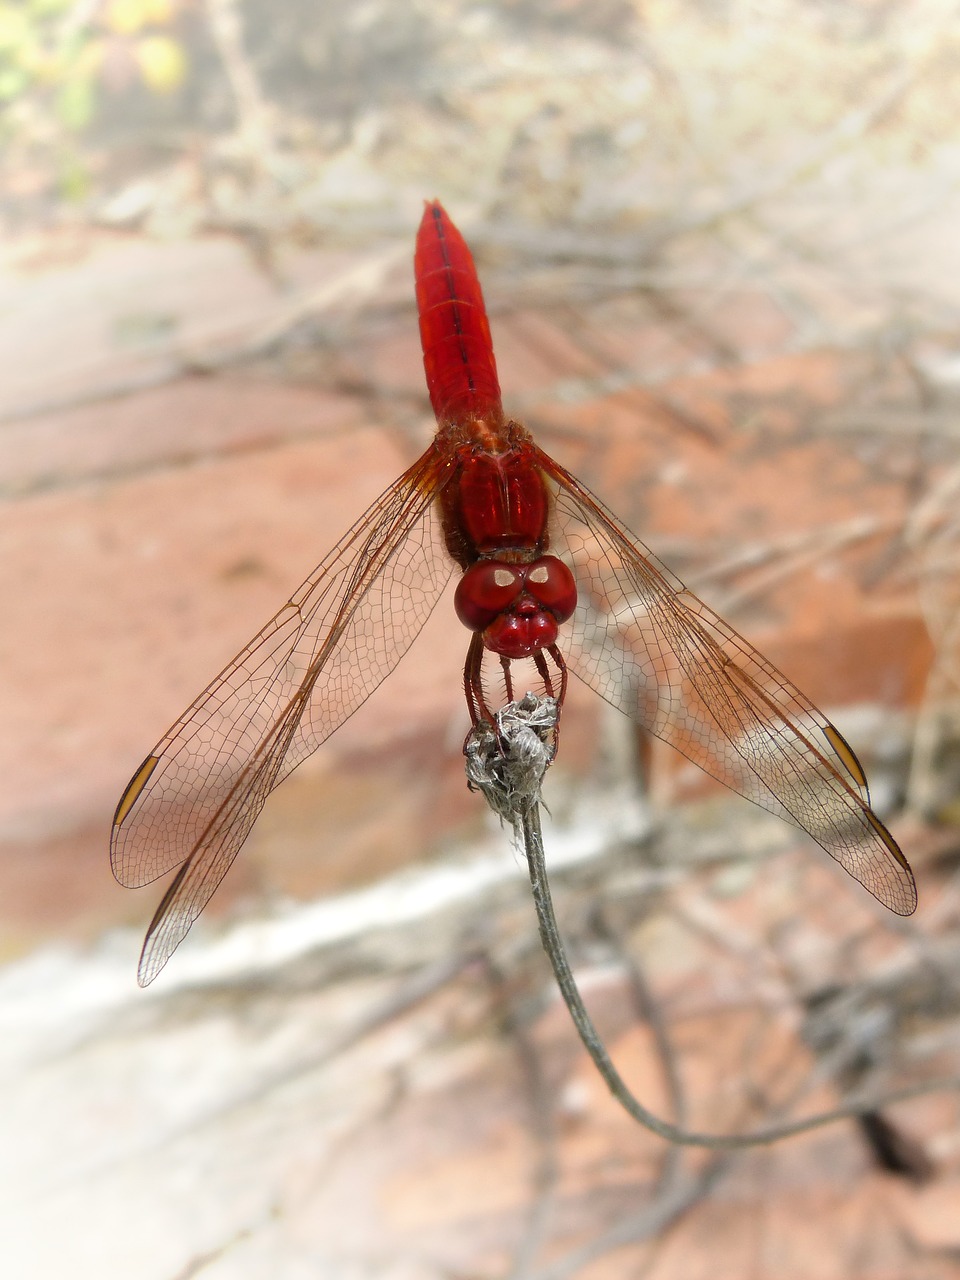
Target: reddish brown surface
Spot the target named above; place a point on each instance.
(150, 535)
(815, 148)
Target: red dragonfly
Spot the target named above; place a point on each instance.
(550, 581)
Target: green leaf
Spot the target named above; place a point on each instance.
(75, 102)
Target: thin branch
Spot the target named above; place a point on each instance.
(254, 116)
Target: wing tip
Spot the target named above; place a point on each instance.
(157, 949)
(905, 903)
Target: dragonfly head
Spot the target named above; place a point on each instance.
(516, 607)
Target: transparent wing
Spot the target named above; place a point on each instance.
(647, 645)
(196, 796)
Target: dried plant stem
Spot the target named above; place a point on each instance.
(505, 762)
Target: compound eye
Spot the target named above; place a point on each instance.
(552, 585)
(484, 592)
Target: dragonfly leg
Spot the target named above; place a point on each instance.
(480, 713)
(507, 677)
(554, 679)
(548, 683)
(473, 683)
(543, 668)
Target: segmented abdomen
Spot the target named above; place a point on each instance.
(457, 351)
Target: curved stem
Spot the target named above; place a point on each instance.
(527, 825)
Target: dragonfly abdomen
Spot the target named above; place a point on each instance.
(457, 350)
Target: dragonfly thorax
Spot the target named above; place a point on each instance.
(497, 504)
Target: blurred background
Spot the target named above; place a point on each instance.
(719, 245)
